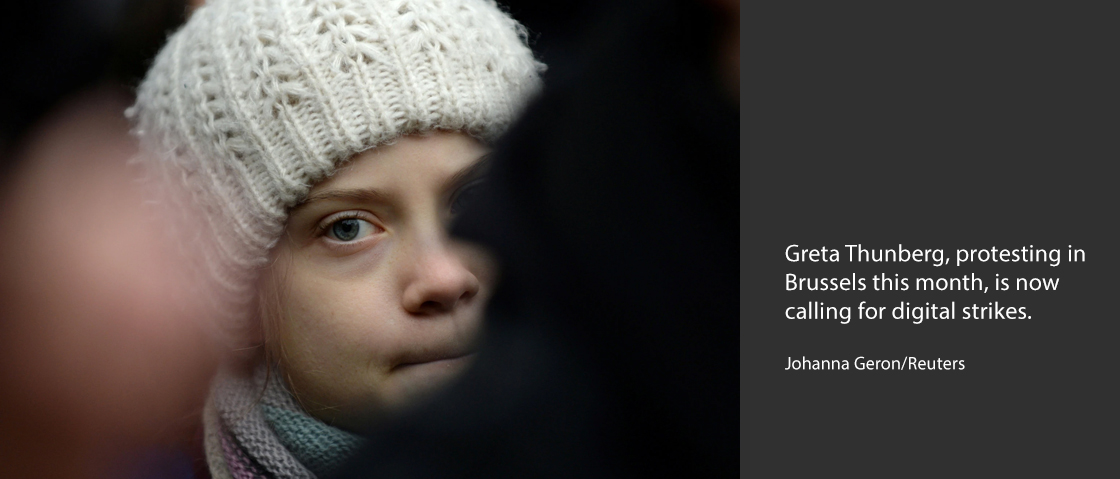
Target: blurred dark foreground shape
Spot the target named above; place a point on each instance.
(613, 343)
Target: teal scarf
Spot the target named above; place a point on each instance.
(255, 429)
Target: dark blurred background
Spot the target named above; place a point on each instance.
(57, 49)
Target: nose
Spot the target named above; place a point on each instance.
(441, 279)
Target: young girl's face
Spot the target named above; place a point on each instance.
(377, 304)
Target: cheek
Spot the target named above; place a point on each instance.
(335, 341)
(341, 304)
(338, 321)
(343, 328)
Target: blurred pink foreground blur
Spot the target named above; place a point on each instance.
(102, 351)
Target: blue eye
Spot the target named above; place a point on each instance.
(349, 229)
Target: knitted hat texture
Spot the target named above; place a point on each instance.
(254, 101)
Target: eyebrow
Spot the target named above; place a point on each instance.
(371, 195)
(356, 195)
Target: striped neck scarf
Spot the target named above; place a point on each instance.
(255, 429)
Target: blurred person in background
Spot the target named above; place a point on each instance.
(326, 146)
(102, 355)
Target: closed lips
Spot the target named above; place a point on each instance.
(431, 357)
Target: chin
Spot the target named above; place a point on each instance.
(406, 386)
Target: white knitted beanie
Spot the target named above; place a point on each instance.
(254, 101)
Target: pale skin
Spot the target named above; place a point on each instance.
(378, 304)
